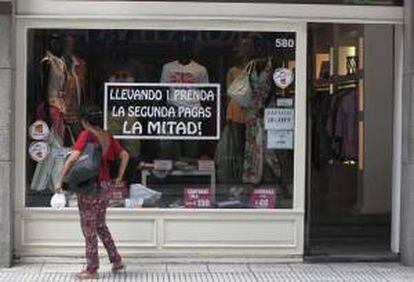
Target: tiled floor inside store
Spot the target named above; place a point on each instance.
(209, 272)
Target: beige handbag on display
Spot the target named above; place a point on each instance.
(240, 89)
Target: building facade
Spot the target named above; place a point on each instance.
(320, 138)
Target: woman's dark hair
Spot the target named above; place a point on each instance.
(92, 115)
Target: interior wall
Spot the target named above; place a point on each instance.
(375, 196)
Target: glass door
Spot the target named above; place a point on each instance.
(350, 124)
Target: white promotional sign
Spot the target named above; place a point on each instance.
(283, 77)
(280, 139)
(279, 119)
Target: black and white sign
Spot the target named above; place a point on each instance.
(151, 111)
(279, 119)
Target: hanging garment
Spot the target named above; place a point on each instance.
(56, 88)
(55, 117)
(320, 108)
(254, 154)
(75, 85)
(48, 170)
(234, 112)
(346, 125)
(56, 84)
(175, 72)
(230, 153)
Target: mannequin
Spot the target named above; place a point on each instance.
(183, 70)
(245, 52)
(51, 109)
(53, 86)
(76, 88)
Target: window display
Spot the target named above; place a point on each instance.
(207, 117)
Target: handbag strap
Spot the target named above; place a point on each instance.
(249, 67)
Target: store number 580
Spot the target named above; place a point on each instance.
(284, 43)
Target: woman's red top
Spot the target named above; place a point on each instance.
(114, 150)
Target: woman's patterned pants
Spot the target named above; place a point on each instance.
(92, 210)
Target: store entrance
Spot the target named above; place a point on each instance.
(350, 125)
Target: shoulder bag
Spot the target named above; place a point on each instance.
(86, 169)
(240, 89)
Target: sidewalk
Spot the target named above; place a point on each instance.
(217, 272)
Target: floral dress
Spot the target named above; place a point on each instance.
(256, 155)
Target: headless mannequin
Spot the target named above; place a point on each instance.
(75, 90)
(245, 52)
(183, 71)
(53, 83)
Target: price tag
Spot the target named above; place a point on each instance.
(197, 197)
(263, 198)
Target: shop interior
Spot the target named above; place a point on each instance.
(350, 125)
(239, 170)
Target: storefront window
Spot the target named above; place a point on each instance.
(207, 117)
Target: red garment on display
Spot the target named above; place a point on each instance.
(114, 150)
(56, 118)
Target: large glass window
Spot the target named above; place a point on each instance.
(206, 116)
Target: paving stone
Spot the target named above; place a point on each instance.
(24, 268)
(394, 271)
(233, 277)
(62, 268)
(351, 267)
(267, 267)
(364, 277)
(11, 276)
(308, 267)
(276, 276)
(58, 277)
(228, 268)
(217, 272)
(147, 268)
(193, 268)
(190, 277)
(325, 276)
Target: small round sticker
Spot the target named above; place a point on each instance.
(38, 151)
(39, 130)
(283, 77)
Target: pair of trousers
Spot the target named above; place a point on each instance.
(92, 210)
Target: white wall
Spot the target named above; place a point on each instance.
(378, 116)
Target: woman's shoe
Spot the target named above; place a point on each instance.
(85, 275)
(118, 266)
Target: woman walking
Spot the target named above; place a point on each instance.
(92, 206)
